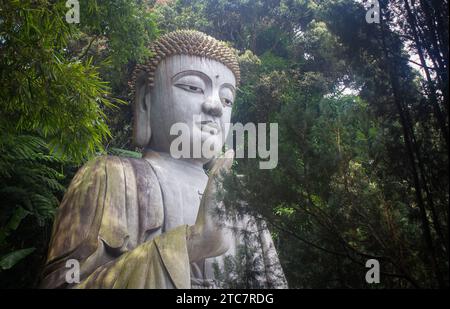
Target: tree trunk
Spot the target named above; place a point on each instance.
(408, 143)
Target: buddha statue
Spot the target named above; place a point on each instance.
(150, 222)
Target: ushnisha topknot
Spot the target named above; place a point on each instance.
(186, 42)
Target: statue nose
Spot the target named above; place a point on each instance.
(212, 107)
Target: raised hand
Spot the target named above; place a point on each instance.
(209, 237)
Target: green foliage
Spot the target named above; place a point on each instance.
(31, 179)
(182, 14)
(116, 34)
(9, 260)
(124, 153)
(239, 271)
(44, 91)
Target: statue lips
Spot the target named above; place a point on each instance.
(210, 126)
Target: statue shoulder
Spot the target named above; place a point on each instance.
(110, 168)
(104, 201)
(76, 215)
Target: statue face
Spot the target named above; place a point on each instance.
(195, 91)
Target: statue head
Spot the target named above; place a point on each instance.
(190, 78)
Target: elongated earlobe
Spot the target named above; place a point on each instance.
(142, 104)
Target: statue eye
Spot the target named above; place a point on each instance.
(227, 102)
(190, 88)
(226, 96)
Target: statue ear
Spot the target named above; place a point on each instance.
(142, 103)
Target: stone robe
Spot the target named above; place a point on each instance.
(121, 219)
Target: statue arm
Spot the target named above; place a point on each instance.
(159, 263)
